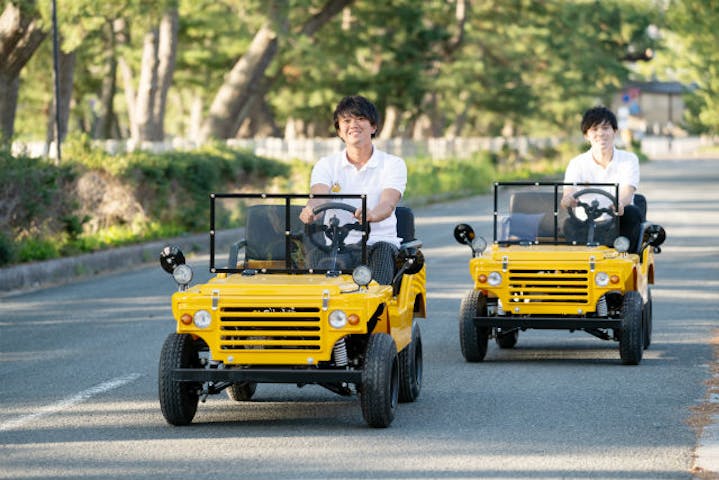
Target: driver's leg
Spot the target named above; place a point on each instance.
(381, 261)
(629, 225)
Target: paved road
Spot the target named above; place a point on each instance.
(78, 369)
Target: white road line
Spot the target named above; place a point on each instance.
(70, 401)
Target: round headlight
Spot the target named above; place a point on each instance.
(479, 244)
(182, 274)
(601, 279)
(338, 318)
(202, 319)
(362, 275)
(494, 278)
(621, 244)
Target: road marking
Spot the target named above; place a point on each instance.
(70, 401)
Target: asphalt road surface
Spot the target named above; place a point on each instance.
(78, 379)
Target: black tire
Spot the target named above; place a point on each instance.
(410, 367)
(473, 340)
(242, 391)
(631, 339)
(379, 393)
(178, 400)
(647, 320)
(507, 339)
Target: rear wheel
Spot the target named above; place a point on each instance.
(380, 381)
(410, 367)
(473, 339)
(647, 320)
(507, 339)
(631, 339)
(178, 400)
(242, 391)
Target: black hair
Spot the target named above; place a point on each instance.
(596, 116)
(356, 106)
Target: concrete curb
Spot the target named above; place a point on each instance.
(64, 270)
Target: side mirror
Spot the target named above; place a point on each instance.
(170, 257)
(410, 262)
(655, 235)
(464, 234)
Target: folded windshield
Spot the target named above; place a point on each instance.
(271, 238)
(531, 213)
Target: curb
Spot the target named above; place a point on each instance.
(60, 271)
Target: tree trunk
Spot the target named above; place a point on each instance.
(20, 36)
(103, 126)
(245, 83)
(147, 114)
(66, 70)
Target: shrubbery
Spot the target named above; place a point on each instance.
(96, 200)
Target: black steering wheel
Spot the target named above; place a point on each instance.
(335, 232)
(593, 210)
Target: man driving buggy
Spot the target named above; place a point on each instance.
(604, 163)
(361, 168)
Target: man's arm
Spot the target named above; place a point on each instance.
(306, 214)
(388, 200)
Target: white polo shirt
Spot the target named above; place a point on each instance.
(623, 169)
(382, 171)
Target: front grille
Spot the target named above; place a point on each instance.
(548, 286)
(274, 328)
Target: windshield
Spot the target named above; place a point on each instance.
(266, 234)
(531, 213)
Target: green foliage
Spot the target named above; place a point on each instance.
(432, 180)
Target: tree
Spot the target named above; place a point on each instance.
(21, 33)
(246, 85)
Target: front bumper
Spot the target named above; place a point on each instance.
(267, 375)
(547, 322)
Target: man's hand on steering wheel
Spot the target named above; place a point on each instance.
(592, 210)
(335, 232)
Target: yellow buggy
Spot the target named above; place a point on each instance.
(554, 268)
(295, 303)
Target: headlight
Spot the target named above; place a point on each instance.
(338, 318)
(601, 279)
(479, 244)
(494, 278)
(202, 319)
(362, 275)
(621, 244)
(182, 274)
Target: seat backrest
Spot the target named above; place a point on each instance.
(641, 202)
(265, 231)
(537, 203)
(405, 223)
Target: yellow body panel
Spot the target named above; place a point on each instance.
(282, 319)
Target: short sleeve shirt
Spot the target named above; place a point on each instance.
(382, 171)
(623, 169)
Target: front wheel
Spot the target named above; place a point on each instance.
(379, 393)
(631, 339)
(473, 339)
(242, 391)
(410, 367)
(178, 400)
(647, 320)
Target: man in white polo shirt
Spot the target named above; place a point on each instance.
(604, 163)
(360, 168)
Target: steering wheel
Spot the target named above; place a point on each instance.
(593, 210)
(335, 232)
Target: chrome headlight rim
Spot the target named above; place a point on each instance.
(479, 244)
(601, 279)
(494, 279)
(621, 244)
(337, 319)
(182, 274)
(202, 319)
(362, 275)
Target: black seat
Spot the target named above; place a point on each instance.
(265, 233)
(405, 223)
(534, 212)
(641, 203)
